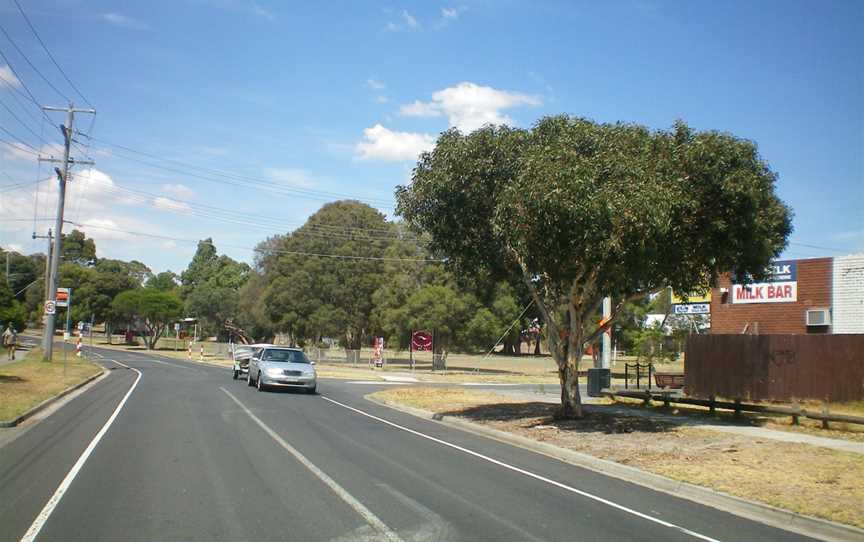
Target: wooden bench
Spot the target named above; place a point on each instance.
(674, 381)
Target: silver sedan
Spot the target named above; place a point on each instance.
(282, 367)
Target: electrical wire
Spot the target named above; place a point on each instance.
(34, 68)
(18, 144)
(229, 178)
(267, 251)
(48, 52)
(22, 123)
(11, 84)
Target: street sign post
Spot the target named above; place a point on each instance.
(63, 297)
(50, 307)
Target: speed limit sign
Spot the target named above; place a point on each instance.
(50, 307)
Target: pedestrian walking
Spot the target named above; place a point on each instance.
(10, 341)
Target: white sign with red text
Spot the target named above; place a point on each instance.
(765, 292)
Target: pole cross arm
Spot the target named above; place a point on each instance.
(71, 161)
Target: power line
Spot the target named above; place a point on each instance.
(18, 144)
(225, 176)
(34, 68)
(267, 251)
(20, 81)
(819, 247)
(42, 43)
(22, 123)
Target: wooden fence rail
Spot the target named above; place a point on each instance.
(776, 367)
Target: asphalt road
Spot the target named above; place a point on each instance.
(194, 455)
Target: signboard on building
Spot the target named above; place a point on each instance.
(62, 297)
(692, 308)
(781, 286)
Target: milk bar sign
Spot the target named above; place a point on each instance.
(781, 286)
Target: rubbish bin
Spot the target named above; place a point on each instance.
(598, 379)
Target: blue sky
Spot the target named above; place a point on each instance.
(339, 97)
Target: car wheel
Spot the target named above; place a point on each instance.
(312, 390)
(258, 382)
(249, 378)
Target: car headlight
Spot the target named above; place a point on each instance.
(273, 372)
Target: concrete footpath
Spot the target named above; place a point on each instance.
(713, 425)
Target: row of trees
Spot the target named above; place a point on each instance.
(558, 216)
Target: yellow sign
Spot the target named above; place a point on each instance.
(692, 298)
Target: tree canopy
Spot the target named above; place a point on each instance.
(153, 308)
(583, 210)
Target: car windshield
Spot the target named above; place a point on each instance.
(285, 356)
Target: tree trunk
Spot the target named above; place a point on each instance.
(108, 332)
(537, 346)
(571, 401)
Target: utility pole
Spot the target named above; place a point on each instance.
(606, 352)
(63, 176)
(50, 238)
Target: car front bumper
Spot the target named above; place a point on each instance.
(307, 382)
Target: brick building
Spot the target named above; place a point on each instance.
(818, 295)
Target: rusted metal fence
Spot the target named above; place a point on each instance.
(776, 367)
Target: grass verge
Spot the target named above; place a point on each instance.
(817, 482)
(27, 383)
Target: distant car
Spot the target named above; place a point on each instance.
(242, 353)
(283, 367)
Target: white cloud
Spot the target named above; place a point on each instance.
(14, 247)
(469, 106)
(375, 84)
(168, 204)
(407, 22)
(178, 190)
(409, 19)
(124, 21)
(450, 13)
(261, 12)
(291, 176)
(104, 229)
(7, 78)
(379, 143)
(169, 244)
(420, 109)
(17, 151)
(382, 99)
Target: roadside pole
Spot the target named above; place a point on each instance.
(606, 360)
(63, 176)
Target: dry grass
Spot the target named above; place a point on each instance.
(814, 481)
(27, 383)
(781, 422)
(441, 399)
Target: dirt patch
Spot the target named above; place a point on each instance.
(809, 480)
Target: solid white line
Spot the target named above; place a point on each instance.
(530, 474)
(151, 360)
(49, 507)
(349, 499)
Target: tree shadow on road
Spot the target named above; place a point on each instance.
(537, 415)
(11, 379)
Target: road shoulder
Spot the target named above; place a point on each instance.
(763, 513)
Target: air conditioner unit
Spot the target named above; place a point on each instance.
(818, 317)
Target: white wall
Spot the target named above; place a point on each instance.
(847, 294)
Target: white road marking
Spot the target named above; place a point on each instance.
(377, 382)
(349, 499)
(150, 359)
(52, 503)
(484, 384)
(399, 378)
(530, 474)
